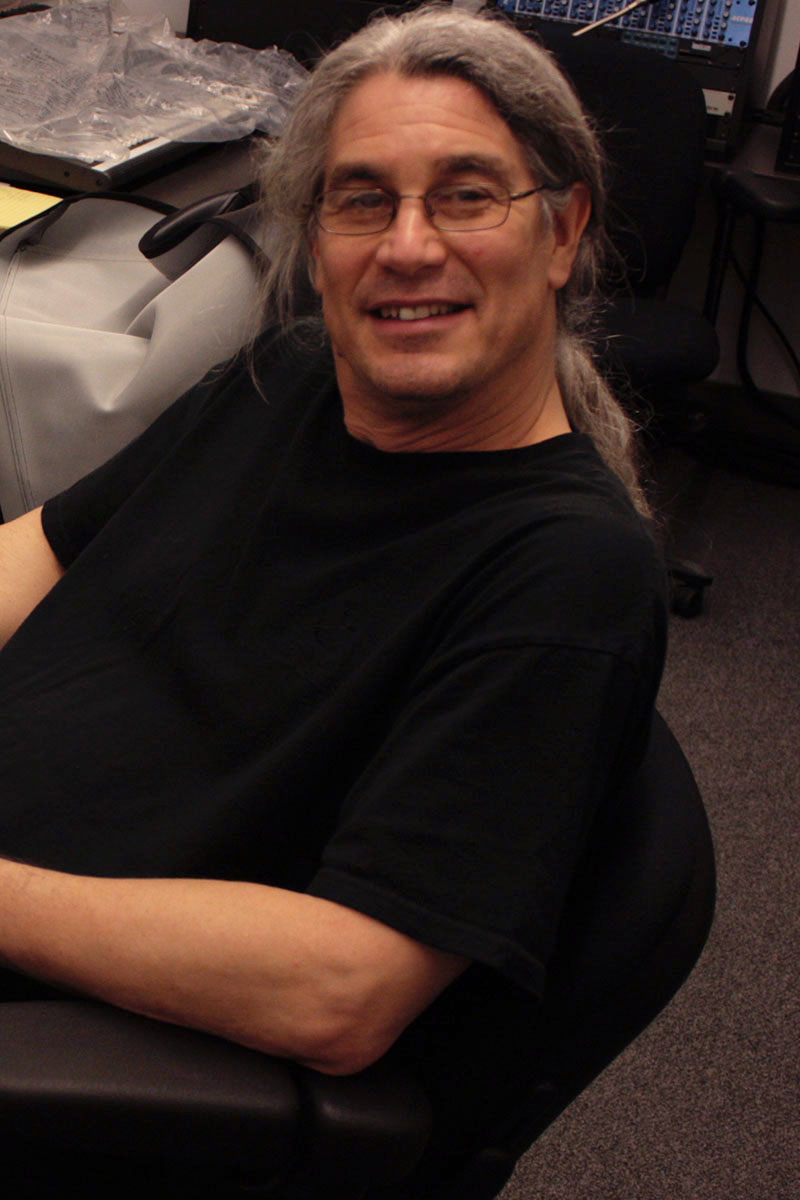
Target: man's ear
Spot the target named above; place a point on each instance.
(568, 225)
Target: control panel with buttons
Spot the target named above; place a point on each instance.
(715, 39)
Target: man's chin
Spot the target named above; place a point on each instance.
(408, 386)
(403, 384)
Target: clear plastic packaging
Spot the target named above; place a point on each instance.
(88, 81)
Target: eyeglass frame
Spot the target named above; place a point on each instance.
(396, 197)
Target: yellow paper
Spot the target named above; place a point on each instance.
(18, 204)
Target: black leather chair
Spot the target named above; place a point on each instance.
(116, 1105)
(651, 118)
(650, 114)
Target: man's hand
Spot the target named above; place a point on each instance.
(282, 972)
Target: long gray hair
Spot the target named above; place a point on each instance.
(528, 90)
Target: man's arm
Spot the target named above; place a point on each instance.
(28, 570)
(286, 973)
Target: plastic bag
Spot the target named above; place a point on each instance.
(106, 82)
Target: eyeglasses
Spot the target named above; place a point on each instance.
(455, 208)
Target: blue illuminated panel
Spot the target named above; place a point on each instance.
(716, 22)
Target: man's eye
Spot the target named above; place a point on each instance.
(464, 196)
(364, 202)
(472, 193)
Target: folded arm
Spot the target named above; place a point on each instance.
(285, 973)
(282, 972)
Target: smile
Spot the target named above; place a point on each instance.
(416, 312)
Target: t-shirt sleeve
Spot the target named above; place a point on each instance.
(466, 828)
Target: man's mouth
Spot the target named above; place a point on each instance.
(416, 312)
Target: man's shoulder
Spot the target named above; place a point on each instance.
(586, 565)
(564, 482)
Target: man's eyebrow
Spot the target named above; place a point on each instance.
(347, 174)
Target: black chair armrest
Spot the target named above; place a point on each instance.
(89, 1077)
(361, 1130)
(84, 1077)
(771, 199)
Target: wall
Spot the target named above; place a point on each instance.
(777, 48)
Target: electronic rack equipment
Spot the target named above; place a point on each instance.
(715, 39)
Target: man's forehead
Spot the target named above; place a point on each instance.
(444, 119)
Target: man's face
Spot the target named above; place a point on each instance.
(420, 317)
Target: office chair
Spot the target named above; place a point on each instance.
(116, 1105)
(650, 114)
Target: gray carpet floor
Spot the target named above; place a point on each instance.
(705, 1104)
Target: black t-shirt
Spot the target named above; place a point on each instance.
(403, 682)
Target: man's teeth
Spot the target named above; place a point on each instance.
(416, 312)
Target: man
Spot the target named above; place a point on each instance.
(308, 705)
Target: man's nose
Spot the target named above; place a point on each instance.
(412, 241)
